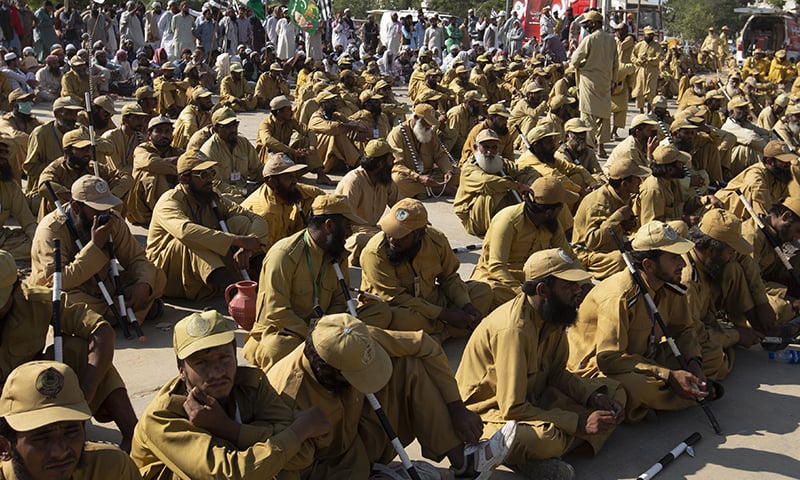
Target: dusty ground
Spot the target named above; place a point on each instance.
(757, 414)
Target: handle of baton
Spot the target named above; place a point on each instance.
(58, 345)
(224, 227)
(125, 311)
(524, 138)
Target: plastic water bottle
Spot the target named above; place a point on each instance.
(788, 355)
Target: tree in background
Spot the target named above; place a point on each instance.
(692, 18)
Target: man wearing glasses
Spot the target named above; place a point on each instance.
(185, 241)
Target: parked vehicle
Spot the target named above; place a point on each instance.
(769, 29)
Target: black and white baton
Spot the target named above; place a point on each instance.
(684, 446)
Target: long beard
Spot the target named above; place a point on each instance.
(500, 130)
(6, 173)
(385, 175)
(490, 164)
(289, 195)
(422, 134)
(397, 257)
(783, 176)
(715, 268)
(556, 312)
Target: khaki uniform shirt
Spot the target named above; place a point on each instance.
(586, 159)
(19, 132)
(198, 138)
(268, 88)
(44, 145)
(190, 120)
(378, 127)
(283, 219)
(14, 204)
(418, 285)
(475, 183)
(510, 240)
(298, 271)
(510, 360)
(759, 186)
(595, 215)
(234, 166)
(506, 143)
(526, 116)
(595, 59)
(613, 332)
(123, 146)
(231, 90)
(560, 169)
(629, 148)
(764, 255)
(661, 199)
(167, 445)
(275, 136)
(170, 93)
(75, 87)
(99, 461)
(757, 68)
(153, 175)
(368, 200)
(460, 123)
(427, 154)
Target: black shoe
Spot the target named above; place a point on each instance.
(156, 310)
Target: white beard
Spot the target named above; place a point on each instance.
(423, 135)
(489, 164)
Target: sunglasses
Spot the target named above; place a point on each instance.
(205, 174)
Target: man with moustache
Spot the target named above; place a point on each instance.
(271, 84)
(124, 139)
(336, 134)
(90, 210)
(281, 200)
(154, 170)
(461, 85)
(497, 121)
(369, 189)
(614, 338)
(641, 141)
(193, 117)
(763, 184)
(574, 151)
(371, 115)
(518, 231)
(280, 132)
(526, 112)
(555, 410)
(169, 91)
(750, 139)
(705, 161)
(235, 92)
(298, 284)
(43, 429)
(421, 150)
(462, 117)
(16, 241)
(44, 144)
(216, 416)
(787, 128)
(75, 163)
(102, 112)
(487, 185)
(411, 266)
(75, 83)
(184, 241)
(49, 80)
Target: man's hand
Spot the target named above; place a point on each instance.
(466, 423)
(447, 177)
(601, 401)
(696, 181)
(523, 187)
(426, 180)
(205, 412)
(599, 421)
(473, 312)
(652, 143)
(749, 337)
(100, 233)
(247, 242)
(687, 385)
(715, 202)
(457, 318)
(310, 423)
(625, 211)
(242, 258)
(138, 295)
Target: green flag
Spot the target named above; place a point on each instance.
(305, 14)
(257, 7)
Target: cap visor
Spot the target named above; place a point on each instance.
(205, 165)
(375, 376)
(641, 172)
(680, 246)
(579, 129)
(105, 203)
(296, 168)
(81, 144)
(211, 341)
(573, 275)
(226, 121)
(25, 422)
(787, 157)
(742, 246)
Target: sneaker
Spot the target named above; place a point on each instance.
(550, 469)
(480, 459)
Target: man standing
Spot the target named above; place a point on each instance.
(646, 56)
(183, 239)
(181, 27)
(555, 410)
(216, 416)
(43, 425)
(595, 59)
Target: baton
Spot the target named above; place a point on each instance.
(224, 227)
(684, 446)
(524, 138)
(467, 248)
(125, 311)
(516, 194)
(89, 100)
(387, 427)
(776, 245)
(58, 344)
(100, 284)
(417, 163)
(655, 316)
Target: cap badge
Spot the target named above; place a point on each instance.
(564, 256)
(101, 187)
(401, 214)
(49, 383)
(198, 326)
(670, 233)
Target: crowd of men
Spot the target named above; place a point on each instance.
(562, 346)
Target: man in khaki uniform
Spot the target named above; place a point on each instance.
(413, 170)
(77, 162)
(693, 96)
(412, 267)
(342, 360)
(750, 139)
(44, 144)
(595, 60)
(125, 138)
(575, 150)
(763, 184)
(154, 170)
(369, 189)
(88, 344)
(18, 124)
(270, 85)
(464, 116)
(612, 337)
(516, 232)
(169, 92)
(184, 241)
(43, 426)
(496, 120)
(642, 139)
(336, 134)
(236, 158)
(371, 115)
(235, 92)
(300, 283)
(279, 132)
(281, 201)
(75, 83)
(718, 275)
(216, 416)
(146, 98)
(462, 84)
(526, 112)
(141, 281)
(609, 206)
(646, 56)
(193, 117)
(16, 241)
(102, 112)
(487, 184)
(787, 128)
(773, 112)
(555, 410)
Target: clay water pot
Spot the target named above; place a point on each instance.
(242, 306)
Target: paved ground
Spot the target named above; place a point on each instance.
(758, 414)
